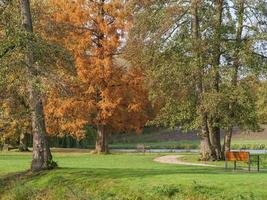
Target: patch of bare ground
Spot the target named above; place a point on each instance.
(174, 159)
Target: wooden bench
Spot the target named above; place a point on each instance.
(140, 148)
(240, 156)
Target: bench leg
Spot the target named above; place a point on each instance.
(258, 163)
(235, 165)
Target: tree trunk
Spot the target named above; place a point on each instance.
(206, 151)
(227, 140)
(5, 147)
(101, 140)
(23, 146)
(214, 121)
(215, 139)
(42, 158)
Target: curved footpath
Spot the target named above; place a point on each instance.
(174, 159)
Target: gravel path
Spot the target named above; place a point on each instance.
(174, 159)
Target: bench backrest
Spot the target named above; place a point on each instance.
(237, 156)
(140, 148)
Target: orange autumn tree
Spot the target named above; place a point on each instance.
(110, 95)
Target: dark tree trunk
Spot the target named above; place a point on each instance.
(42, 158)
(227, 140)
(101, 145)
(207, 152)
(215, 140)
(205, 149)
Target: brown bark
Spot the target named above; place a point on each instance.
(42, 158)
(207, 152)
(215, 140)
(101, 145)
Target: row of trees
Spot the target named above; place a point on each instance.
(116, 65)
(68, 73)
(205, 61)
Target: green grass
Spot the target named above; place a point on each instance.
(124, 176)
(245, 141)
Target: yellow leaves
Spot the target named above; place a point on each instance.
(135, 107)
(13, 118)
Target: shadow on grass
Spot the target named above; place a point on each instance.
(11, 177)
(112, 173)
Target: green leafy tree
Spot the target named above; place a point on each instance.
(199, 57)
(29, 64)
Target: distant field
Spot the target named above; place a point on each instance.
(173, 139)
(182, 144)
(125, 177)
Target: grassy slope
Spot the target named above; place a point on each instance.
(125, 176)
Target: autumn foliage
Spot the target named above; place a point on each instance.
(109, 93)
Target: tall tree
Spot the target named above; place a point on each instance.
(213, 120)
(108, 87)
(236, 66)
(190, 76)
(206, 150)
(245, 35)
(27, 69)
(42, 157)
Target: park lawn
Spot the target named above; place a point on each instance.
(246, 141)
(124, 176)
